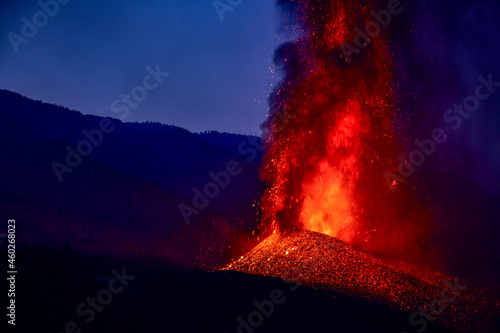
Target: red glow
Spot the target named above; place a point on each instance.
(336, 28)
(326, 165)
(320, 261)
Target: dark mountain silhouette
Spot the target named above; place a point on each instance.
(235, 143)
(124, 196)
(121, 205)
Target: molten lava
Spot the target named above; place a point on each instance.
(327, 205)
(325, 165)
(319, 261)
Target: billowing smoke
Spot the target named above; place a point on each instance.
(330, 134)
(439, 56)
(360, 144)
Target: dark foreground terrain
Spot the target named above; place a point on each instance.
(52, 284)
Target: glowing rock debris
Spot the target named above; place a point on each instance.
(320, 261)
(325, 164)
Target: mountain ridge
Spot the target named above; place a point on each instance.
(130, 186)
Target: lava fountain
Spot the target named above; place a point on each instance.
(330, 141)
(325, 163)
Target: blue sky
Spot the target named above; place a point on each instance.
(91, 52)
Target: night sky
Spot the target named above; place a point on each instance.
(91, 52)
(221, 72)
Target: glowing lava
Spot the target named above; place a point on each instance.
(319, 261)
(327, 205)
(325, 164)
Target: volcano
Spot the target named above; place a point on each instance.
(323, 262)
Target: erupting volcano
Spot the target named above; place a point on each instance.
(325, 164)
(331, 136)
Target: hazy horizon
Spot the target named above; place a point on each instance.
(87, 55)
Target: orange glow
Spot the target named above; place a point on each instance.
(325, 165)
(327, 204)
(319, 261)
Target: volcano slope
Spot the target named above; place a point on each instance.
(322, 262)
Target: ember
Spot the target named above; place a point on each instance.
(326, 166)
(320, 261)
(330, 215)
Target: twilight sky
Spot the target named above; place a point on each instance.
(93, 51)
